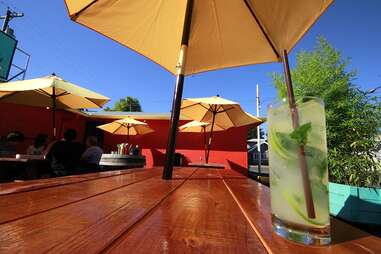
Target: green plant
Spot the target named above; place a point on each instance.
(252, 133)
(353, 117)
(128, 104)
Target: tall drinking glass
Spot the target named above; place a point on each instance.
(288, 199)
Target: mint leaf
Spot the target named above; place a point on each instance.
(282, 144)
(300, 133)
(317, 160)
(285, 141)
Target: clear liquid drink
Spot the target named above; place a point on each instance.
(288, 201)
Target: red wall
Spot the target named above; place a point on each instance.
(228, 147)
(35, 120)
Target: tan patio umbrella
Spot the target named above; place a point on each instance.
(50, 91)
(200, 127)
(191, 36)
(126, 126)
(217, 111)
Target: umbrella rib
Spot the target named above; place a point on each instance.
(222, 111)
(210, 108)
(262, 28)
(217, 109)
(191, 105)
(62, 94)
(218, 28)
(43, 92)
(120, 126)
(204, 106)
(84, 8)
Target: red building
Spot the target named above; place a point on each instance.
(228, 147)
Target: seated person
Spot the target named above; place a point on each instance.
(92, 156)
(8, 146)
(39, 145)
(64, 155)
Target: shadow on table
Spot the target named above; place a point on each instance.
(238, 168)
(344, 232)
(360, 210)
(360, 214)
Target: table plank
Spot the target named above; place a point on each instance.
(182, 172)
(86, 225)
(199, 217)
(228, 174)
(254, 198)
(22, 204)
(15, 187)
(207, 173)
(12, 159)
(100, 235)
(210, 211)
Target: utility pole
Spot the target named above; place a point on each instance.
(9, 15)
(258, 135)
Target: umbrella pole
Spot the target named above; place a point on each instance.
(128, 133)
(54, 113)
(210, 136)
(301, 152)
(176, 104)
(205, 145)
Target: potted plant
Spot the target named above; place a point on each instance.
(353, 119)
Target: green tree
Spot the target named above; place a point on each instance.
(353, 117)
(128, 104)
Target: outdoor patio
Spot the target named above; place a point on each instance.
(135, 211)
(99, 155)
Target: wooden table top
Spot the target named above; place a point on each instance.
(12, 159)
(135, 211)
(22, 158)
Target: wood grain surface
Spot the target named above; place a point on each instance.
(15, 187)
(29, 203)
(255, 201)
(200, 217)
(199, 211)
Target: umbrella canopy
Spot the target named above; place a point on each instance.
(217, 111)
(192, 36)
(222, 33)
(50, 91)
(126, 126)
(39, 92)
(226, 113)
(196, 126)
(201, 127)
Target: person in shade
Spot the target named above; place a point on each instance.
(92, 156)
(39, 146)
(65, 155)
(9, 144)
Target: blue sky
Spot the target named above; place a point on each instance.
(90, 60)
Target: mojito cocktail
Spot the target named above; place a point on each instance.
(288, 201)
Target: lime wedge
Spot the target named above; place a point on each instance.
(295, 206)
(282, 145)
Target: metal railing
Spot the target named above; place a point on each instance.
(20, 71)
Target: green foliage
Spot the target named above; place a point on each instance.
(252, 133)
(300, 134)
(353, 117)
(128, 104)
